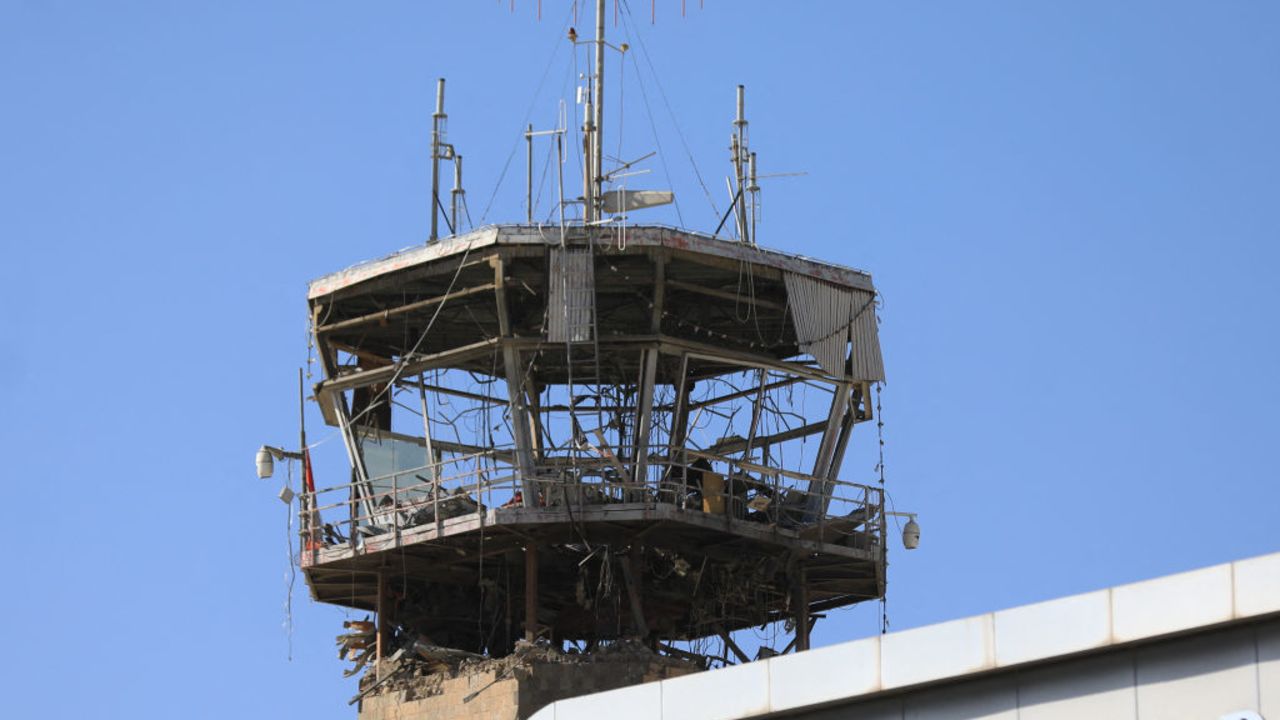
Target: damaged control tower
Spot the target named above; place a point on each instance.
(600, 446)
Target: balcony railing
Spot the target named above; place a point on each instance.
(741, 493)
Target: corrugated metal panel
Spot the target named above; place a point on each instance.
(821, 316)
(571, 301)
(828, 318)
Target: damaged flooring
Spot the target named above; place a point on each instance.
(515, 686)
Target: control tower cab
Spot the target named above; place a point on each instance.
(597, 434)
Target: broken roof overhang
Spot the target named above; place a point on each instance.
(645, 236)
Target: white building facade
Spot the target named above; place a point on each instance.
(1200, 645)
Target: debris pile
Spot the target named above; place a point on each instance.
(358, 645)
(421, 670)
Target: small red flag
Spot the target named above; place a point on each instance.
(307, 478)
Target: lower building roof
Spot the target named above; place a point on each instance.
(1042, 632)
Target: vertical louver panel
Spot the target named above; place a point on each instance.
(571, 302)
(828, 318)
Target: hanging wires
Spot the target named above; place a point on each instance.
(880, 435)
(542, 182)
(292, 575)
(884, 598)
(406, 357)
(622, 108)
(628, 22)
(653, 127)
(570, 121)
(555, 52)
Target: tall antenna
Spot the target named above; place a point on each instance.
(456, 195)
(529, 135)
(441, 150)
(753, 192)
(592, 125)
(598, 139)
(588, 155)
(528, 184)
(740, 155)
(437, 141)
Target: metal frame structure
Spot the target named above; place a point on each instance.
(643, 467)
(597, 431)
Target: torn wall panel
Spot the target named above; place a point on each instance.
(828, 319)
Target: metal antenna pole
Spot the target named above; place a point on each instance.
(739, 153)
(437, 130)
(588, 153)
(456, 194)
(753, 189)
(597, 139)
(528, 184)
(304, 522)
(302, 413)
(560, 180)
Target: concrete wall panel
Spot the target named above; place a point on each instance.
(1257, 585)
(824, 674)
(1172, 603)
(1048, 629)
(638, 702)
(1100, 688)
(1197, 678)
(882, 710)
(936, 651)
(735, 692)
(987, 700)
(1268, 649)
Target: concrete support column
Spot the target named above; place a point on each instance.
(800, 606)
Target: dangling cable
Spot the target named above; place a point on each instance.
(884, 597)
(653, 126)
(628, 21)
(293, 572)
(523, 123)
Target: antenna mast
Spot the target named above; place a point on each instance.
(597, 160)
(740, 159)
(593, 177)
(437, 140)
(441, 150)
(588, 155)
(455, 222)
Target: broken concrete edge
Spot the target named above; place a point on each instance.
(649, 235)
(514, 686)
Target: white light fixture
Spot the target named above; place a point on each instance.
(266, 466)
(267, 456)
(911, 534)
(910, 531)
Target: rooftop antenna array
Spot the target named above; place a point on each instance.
(441, 150)
(744, 165)
(593, 175)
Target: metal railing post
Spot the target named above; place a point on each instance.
(435, 505)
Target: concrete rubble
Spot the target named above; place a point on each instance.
(414, 677)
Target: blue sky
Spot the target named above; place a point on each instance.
(1072, 210)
